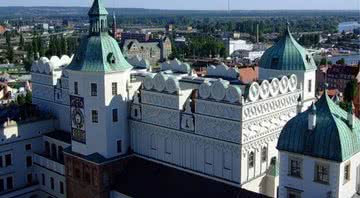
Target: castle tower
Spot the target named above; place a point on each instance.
(98, 78)
(288, 57)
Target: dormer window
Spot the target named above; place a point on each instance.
(111, 58)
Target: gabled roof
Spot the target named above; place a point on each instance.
(332, 139)
(97, 9)
(287, 55)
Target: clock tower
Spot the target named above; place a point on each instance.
(98, 79)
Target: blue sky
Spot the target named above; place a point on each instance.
(198, 4)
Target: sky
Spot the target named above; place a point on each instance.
(200, 4)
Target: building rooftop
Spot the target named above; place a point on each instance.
(288, 55)
(332, 139)
(142, 178)
(60, 135)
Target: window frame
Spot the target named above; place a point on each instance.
(319, 173)
(347, 173)
(264, 154)
(119, 146)
(310, 85)
(28, 147)
(94, 116)
(115, 115)
(93, 89)
(29, 161)
(6, 160)
(291, 172)
(251, 159)
(9, 185)
(76, 87)
(52, 183)
(114, 88)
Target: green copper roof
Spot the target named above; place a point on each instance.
(98, 52)
(332, 138)
(97, 8)
(287, 54)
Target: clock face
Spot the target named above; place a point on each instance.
(77, 118)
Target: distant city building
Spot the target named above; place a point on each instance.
(154, 50)
(235, 45)
(2, 29)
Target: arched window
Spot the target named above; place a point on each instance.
(251, 159)
(264, 154)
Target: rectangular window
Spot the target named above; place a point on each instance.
(61, 187)
(251, 160)
(2, 188)
(115, 115)
(264, 154)
(9, 183)
(29, 179)
(93, 89)
(321, 173)
(76, 88)
(28, 161)
(293, 194)
(347, 173)
(94, 116)
(309, 85)
(43, 179)
(295, 167)
(119, 146)
(28, 147)
(114, 89)
(52, 184)
(8, 160)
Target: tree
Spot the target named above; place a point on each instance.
(28, 97)
(341, 61)
(10, 53)
(20, 100)
(325, 61)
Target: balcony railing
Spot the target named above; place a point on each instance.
(49, 163)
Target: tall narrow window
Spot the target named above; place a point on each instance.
(251, 159)
(52, 184)
(114, 88)
(115, 115)
(28, 161)
(61, 153)
(61, 187)
(119, 146)
(263, 154)
(2, 188)
(8, 160)
(309, 85)
(347, 173)
(47, 148)
(93, 89)
(94, 116)
(1, 161)
(53, 151)
(43, 179)
(76, 88)
(29, 179)
(9, 183)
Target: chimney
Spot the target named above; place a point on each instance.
(350, 117)
(312, 117)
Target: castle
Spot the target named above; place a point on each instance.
(110, 127)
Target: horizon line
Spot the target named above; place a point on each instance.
(166, 9)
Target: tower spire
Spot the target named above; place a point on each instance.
(98, 18)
